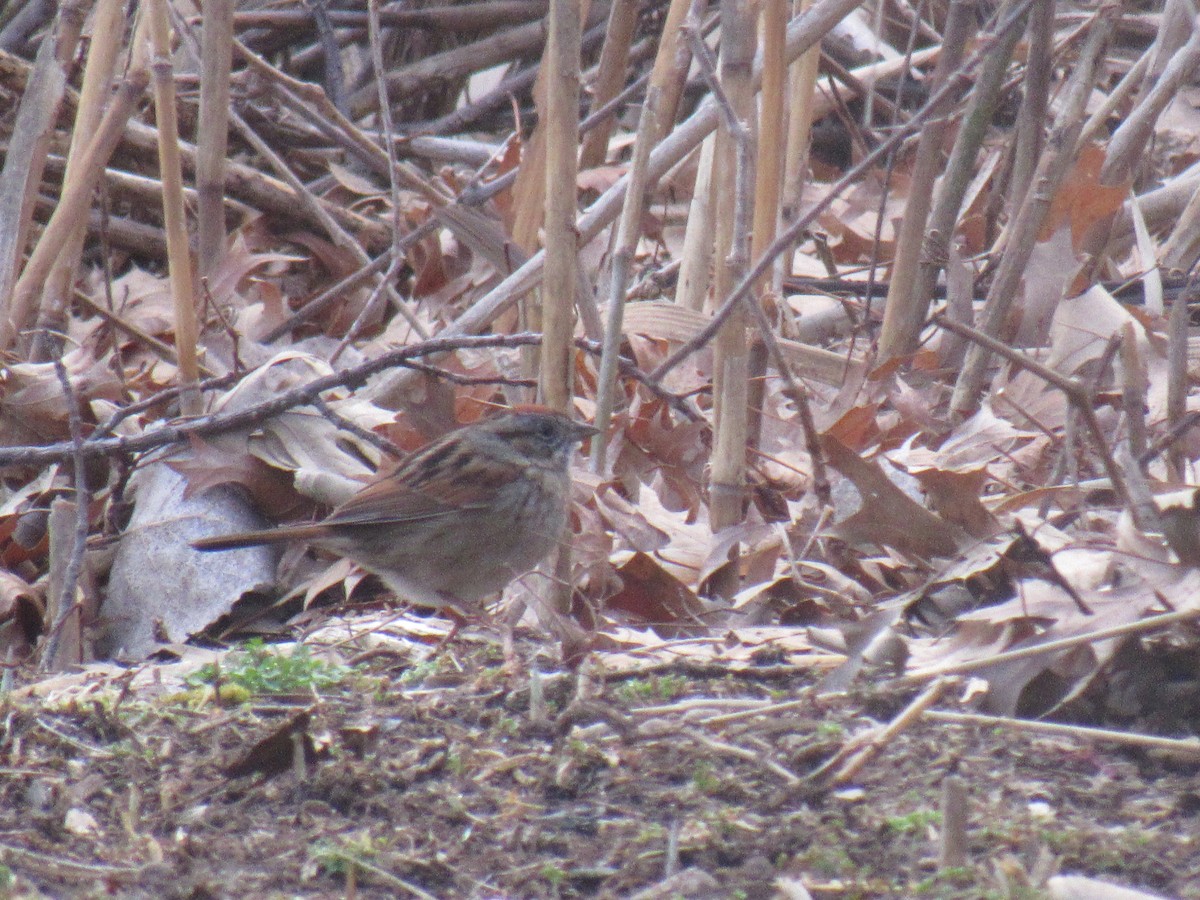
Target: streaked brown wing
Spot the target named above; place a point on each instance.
(406, 496)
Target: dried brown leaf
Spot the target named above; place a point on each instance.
(652, 594)
(887, 515)
(207, 465)
(625, 520)
(955, 496)
(1083, 201)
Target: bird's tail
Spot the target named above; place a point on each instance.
(239, 539)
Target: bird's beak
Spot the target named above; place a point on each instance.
(584, 431)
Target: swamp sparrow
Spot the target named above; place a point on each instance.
(458, 519)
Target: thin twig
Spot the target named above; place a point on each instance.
(341, 422)
(392, 881)
(1079, 395)
(220, 423)
(335, 76)
(375, 39)
(745, 755)
(66, 868)
(1188, 746)
(859, 755)
(962, 667)
(336, 291)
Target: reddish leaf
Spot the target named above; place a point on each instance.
(651, 594)
(1083, 201)
(208, 465)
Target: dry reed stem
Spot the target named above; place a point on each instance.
(72, 206)
(518, 84)
(669, 71)
(562, 247)
(695, 261)
(673, 60)
(529, 204)
(212, 127)
(555, 369)
(25, 162)
(773, 130)
(677, 324)
(953, 843)
(628, 234)
(1117, 97)
(68, 539)
(905, 310)
(862, 81)
(873, 743)
(802, 34)
(62, 646)
(960, 166)
(179, 258)
(136, 237)
(22, 20)
(460, 62)
(247, 184)
(1051, 171)
(1178, 323)
(610, 78)
(529, 190)
(1134, 388)
(1182, 247)
(1180, 746)
(464, 17)
(1128, 144)
(1035, 100)
(1174, 29)
(734, 202)
(123, 185)
(98, 74)
(802, 82)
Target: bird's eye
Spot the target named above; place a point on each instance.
(546, 430)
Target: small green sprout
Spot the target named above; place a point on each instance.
(260, 670)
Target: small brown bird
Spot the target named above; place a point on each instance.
(458, 519)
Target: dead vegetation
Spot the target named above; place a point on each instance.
(884, 314)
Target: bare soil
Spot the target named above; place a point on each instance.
(442, 780)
